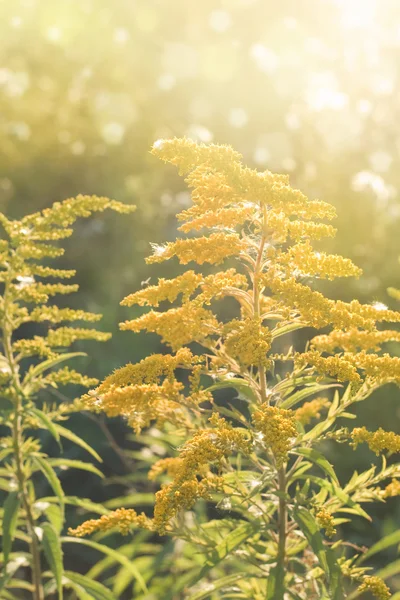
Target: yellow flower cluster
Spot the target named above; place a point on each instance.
(207, 447)
(392, 489)
(149, 370)
(376, 369)
(248, 341)
(278, 227)
(325, 520)
(354, 339)
(141, 404)
(310, 410)
(177, 326)
(38, 293)
(213, 286)
(65, 336)
(67, 376)
(378, 441)
(302, 259)
(170, 466)
(376, 586)
(123, 519)
(37, 346)
(317, 311)
(187, 155)
(221, 284)
(54, 314)
(225, 218)
(166, 289)
(333, 366)
(278, 427)
(63, 214)
(213, 249)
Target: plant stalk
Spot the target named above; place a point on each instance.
(282, 532)
(17, 435)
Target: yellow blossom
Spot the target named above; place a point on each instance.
(303, 259)
(166, 289)
(65, 336)
(171, 466)
(310, 410)
(207, 447)
(325, 520)
(278, 427)
(149, 370)
(378, 441)
(177, 326)
(354, 339)
(248, 341)
(392, 489)
(213, 249)
(122, 518)
(376, 586)
(334, 366)
(141, 404)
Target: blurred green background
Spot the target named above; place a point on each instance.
(305, 87)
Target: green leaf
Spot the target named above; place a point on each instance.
(217, 585)
(10, 516)
(240, 385)
(47, 364)
(95, 590)
(72, 437)
(16, 561)
(390, 570)
(303, 394)
(326, 557)
(278, 331)
(275, 583)
(230, 543)
(123, 560)
(85, 503)
(52, 478)
(319, 459)
(386, 542)
(46, 422)
(54, 515)
(75, 464)
(54, 554)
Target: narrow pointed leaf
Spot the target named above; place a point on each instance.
(117, 556)
(324, 554)
(48, 364)
(54, 555)
(95, 590)
(52, 478)
(217, 585)
(318, 459)
(75, 464)
(46, 423)
(386, 542)
(72, 437)
(10, 516)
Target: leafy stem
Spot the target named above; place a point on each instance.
(17, 436)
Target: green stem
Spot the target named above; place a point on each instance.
(257, 312)
(17, 434)
(282, 532)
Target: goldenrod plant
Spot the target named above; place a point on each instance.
(31, 525)
(245, 482)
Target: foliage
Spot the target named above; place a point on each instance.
(31, 525)
(261, 458)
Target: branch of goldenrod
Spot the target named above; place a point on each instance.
(18, 453)
(282, 524)
(257, 311)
